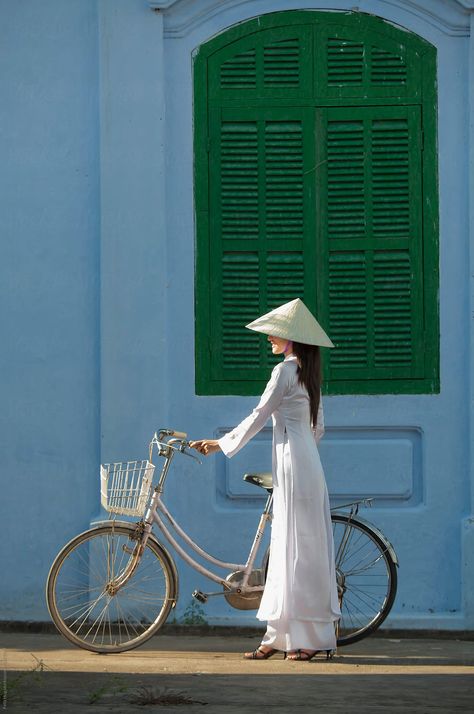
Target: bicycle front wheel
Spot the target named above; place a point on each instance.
(366, 576)
(85, 603)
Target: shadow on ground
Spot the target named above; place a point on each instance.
(59, 692)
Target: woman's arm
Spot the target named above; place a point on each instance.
(232, 442)
(318, 430)
(276, 388)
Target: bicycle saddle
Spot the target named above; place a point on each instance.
(263, 479)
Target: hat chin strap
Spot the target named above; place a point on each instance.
(288, 347)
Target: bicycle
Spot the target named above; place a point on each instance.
(113, 586)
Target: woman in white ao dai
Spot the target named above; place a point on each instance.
(299, 602)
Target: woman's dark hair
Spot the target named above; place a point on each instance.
(309, 374)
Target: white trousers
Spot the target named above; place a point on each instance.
(286, 635)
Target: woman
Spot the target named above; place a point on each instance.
(300, 600)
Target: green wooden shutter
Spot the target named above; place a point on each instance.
(315, 138)
(371, 223)
(261, 231)
(357, 61)
(268, 64)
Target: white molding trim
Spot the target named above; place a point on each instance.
(183, 16)
(163, 5)
(166, 4)
(438, 13)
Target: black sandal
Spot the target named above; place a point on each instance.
(303, 656)
(260, 654)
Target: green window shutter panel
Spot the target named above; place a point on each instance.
(395, 327)
(239, 71)
(284, 191)
(260, 194)
(274, 63)
(387, 68)
(346, 210)
(239, 349)
(371, 213)
(358, 64)
(315, 177)
(282, 60)
(348, 321)
(345, 62)
(242, 354)
(351, 63)
(239, 180)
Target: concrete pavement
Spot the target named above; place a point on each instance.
(188, 673)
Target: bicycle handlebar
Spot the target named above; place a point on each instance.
(176, 440)
(179, 434)
(170, 432)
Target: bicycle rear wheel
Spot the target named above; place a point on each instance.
(366, 576)
(82, 599)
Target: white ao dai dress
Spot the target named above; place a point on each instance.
(300, 602)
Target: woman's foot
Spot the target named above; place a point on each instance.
(301, 655)
(261, 652)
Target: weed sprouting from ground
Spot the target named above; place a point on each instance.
(11, 687)
(139, 695)
(116, 686)
(146, 695)
(194, 614)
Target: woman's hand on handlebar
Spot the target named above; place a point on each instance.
(205, 446)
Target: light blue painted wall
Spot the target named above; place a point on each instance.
(105, 87)
(49, 232)
(424, 522)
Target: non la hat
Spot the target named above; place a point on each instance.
(292, 321)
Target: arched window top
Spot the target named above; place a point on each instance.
(307, 53)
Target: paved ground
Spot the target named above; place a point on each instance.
(44, 673)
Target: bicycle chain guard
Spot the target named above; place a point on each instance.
(245, 601)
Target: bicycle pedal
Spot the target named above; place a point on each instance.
(200, 596)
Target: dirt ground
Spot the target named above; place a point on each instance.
(189, 673)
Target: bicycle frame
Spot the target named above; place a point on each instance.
(159, 514)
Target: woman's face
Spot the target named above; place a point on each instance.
(279, 344)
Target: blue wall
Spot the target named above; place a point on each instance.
(424, 480)
(97, 231)
(49, 232)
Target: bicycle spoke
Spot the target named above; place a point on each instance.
(86, 614)
(363, 598)
(353, 613)
(355, 552)
(369, 564)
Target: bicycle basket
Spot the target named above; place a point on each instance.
(125, 486)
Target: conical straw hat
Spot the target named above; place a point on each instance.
(292, 321)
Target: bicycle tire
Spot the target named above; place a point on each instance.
(100, 621)
(367, 574)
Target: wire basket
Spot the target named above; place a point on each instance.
(125, 486)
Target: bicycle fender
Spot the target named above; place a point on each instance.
(165, 553)
(377, 531)
(357, 519)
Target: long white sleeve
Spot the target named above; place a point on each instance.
(318, 430)
(232, 442)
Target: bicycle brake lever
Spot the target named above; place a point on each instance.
(191, 456)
